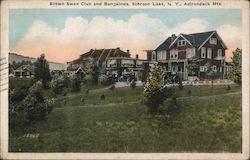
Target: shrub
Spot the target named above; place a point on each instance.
(57, 85)
(75, 82)
(36, 106)
(154, 93)
(102, 97)
(133, 84)
(103, 79)
(16, 115)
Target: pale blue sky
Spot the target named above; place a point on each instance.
(20, 20)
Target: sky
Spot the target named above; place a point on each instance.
(64, 34)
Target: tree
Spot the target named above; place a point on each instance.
(193, 67)
(211, 74)
(36, 106)
(235, 74)
(42, 71)
(154, 94)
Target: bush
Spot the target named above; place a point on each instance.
(57, 85)
(103, 79)
(154, 93)
(75, 82)
(133, 84)
(35, 105)
(18, 88)
(16, 115)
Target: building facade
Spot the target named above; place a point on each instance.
(177, 53)
(110, 62)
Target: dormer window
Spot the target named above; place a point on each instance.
(181, 43)
(213, 41)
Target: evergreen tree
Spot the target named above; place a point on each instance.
(235, 74)
(42, 71)
(154, 93)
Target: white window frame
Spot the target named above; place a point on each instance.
(153, 56)
(202, 68)
(203, 52)
(213, 41)
(181, 43)
(209, 53)
(173, 54)
(219, 53)
(214, 68)
(161, 55)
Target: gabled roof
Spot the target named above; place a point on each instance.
(196, 39)
(165, 45)
(102, 54)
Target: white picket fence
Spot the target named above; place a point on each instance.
(184, 83)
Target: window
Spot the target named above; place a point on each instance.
(181, 43)
(153, 56)
(219, 53)
(203, 52)
(203, 68)
(173, 54)
(213, 41)
(209, 53)
(214, 68)
(161, 55)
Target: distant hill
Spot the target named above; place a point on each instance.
(19, 58)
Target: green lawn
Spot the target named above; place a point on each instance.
(198, 125)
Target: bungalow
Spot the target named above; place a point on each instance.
(110, 61)
(177, 53)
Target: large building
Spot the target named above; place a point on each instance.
(110, 61)
(177, 52)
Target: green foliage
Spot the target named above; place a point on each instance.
(235, 74)
(36, 106)
(16, 115)
(193, 67)
(42, 71)
(103, 79)
(92, 72)
(57, 85)
(19, 88)
(75, 82)
(153, 93)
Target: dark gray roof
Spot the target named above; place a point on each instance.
(165, 45)
(196, 39)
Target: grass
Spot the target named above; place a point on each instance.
(195, 125)
(124, 95)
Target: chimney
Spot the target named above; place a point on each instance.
(118, 48)
(128, 51)
(137, 56)
(173, 37)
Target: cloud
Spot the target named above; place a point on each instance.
(232, 36)
(79, 35)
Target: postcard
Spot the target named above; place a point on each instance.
(125, 79)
